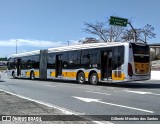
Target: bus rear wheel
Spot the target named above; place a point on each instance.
(93, 79)
(14, 75)
(81, 78)
(32, 76)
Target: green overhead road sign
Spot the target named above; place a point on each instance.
(118, 21)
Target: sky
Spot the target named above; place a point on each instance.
(42, 24)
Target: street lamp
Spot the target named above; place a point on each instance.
(16, 46)
(68, 43)
(19, 41)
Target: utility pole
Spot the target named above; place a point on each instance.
(134, 31)
(68, 43)
(16, 46)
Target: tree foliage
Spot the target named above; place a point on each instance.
(105, 32)
(3, 59)
(88, 40)
(154, 56)
(148, 32)
(110, 33)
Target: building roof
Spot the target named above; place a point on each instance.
(154, 44)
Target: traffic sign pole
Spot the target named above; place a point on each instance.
(122, 22)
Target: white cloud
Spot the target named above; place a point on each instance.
(35, 43)
(24, 42)
(8, 47)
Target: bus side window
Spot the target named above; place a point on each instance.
(11, 63)
(29, 62)
(51, 61)
(23, 63)
(73, 57)
(65, 59)
(118, 57)
(94, 56)
(35, 61)
(85, 58)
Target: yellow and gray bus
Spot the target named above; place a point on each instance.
(96, 62)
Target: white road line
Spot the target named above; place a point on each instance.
(107, 103)
(142, 92)
(127, 107)
(84, 88)
(138, 92)
(63, 110)
(155, 94)
(98, 93)
(40, 102)
(48, 85)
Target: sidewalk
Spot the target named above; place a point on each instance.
(155, 75)
(23, 111)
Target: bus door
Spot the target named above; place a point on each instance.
(59, 65)
(106, 65)
(18, 67)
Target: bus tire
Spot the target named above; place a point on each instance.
(93, 79)
(14, 75)
(32, 76)
(81, 78)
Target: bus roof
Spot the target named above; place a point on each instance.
(85, 46)
(73, 47)
(25, 54)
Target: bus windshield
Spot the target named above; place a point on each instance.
(141, 53)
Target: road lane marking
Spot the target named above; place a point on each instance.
(75, 86)
(142, 92)
(138, 92)
(49, 85)
(98, 92)
(63, 110)
(107, 103)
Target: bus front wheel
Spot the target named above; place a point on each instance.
(14, 75)
(93, 79)
(32, 76)
(81, 78)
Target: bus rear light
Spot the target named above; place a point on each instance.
(130, 70)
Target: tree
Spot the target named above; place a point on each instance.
(141, 34)
(105, 32)
(147, 31)
(88, 40)
(129, 34)
(3, 59)
(110, 33)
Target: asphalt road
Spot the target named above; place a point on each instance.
(136, 98)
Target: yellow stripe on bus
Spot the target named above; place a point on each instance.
(69, 74)
(36, 73)
(72, 74)
(53, 74)
(118, 77)
(28, 73)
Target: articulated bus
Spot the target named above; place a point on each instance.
(96, 62)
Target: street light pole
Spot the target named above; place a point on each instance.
(16, 46)
(134, 31)
(68, 43)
